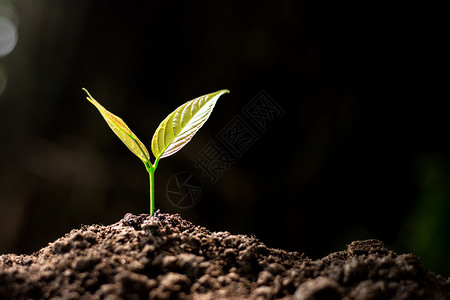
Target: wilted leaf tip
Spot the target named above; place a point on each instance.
(86, 91)
(89, 97)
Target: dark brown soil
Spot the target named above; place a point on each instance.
(166, 257)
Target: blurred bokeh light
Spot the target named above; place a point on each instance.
(8, 37)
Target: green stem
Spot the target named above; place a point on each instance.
(151, 172)
(152, 189)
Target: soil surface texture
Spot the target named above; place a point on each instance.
(166, 257)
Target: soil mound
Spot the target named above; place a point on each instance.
(166, 257)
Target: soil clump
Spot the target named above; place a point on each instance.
(167, 257)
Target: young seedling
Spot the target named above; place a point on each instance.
(172, 134)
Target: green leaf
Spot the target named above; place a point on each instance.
(180, 126)
(122, 131)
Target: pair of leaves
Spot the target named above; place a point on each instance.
(174, 132)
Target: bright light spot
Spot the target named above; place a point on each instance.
(9, 20)
(8, 36)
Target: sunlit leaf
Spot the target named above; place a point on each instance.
(180, 126)
(122, 131)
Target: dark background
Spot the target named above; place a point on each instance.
(360, 152)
